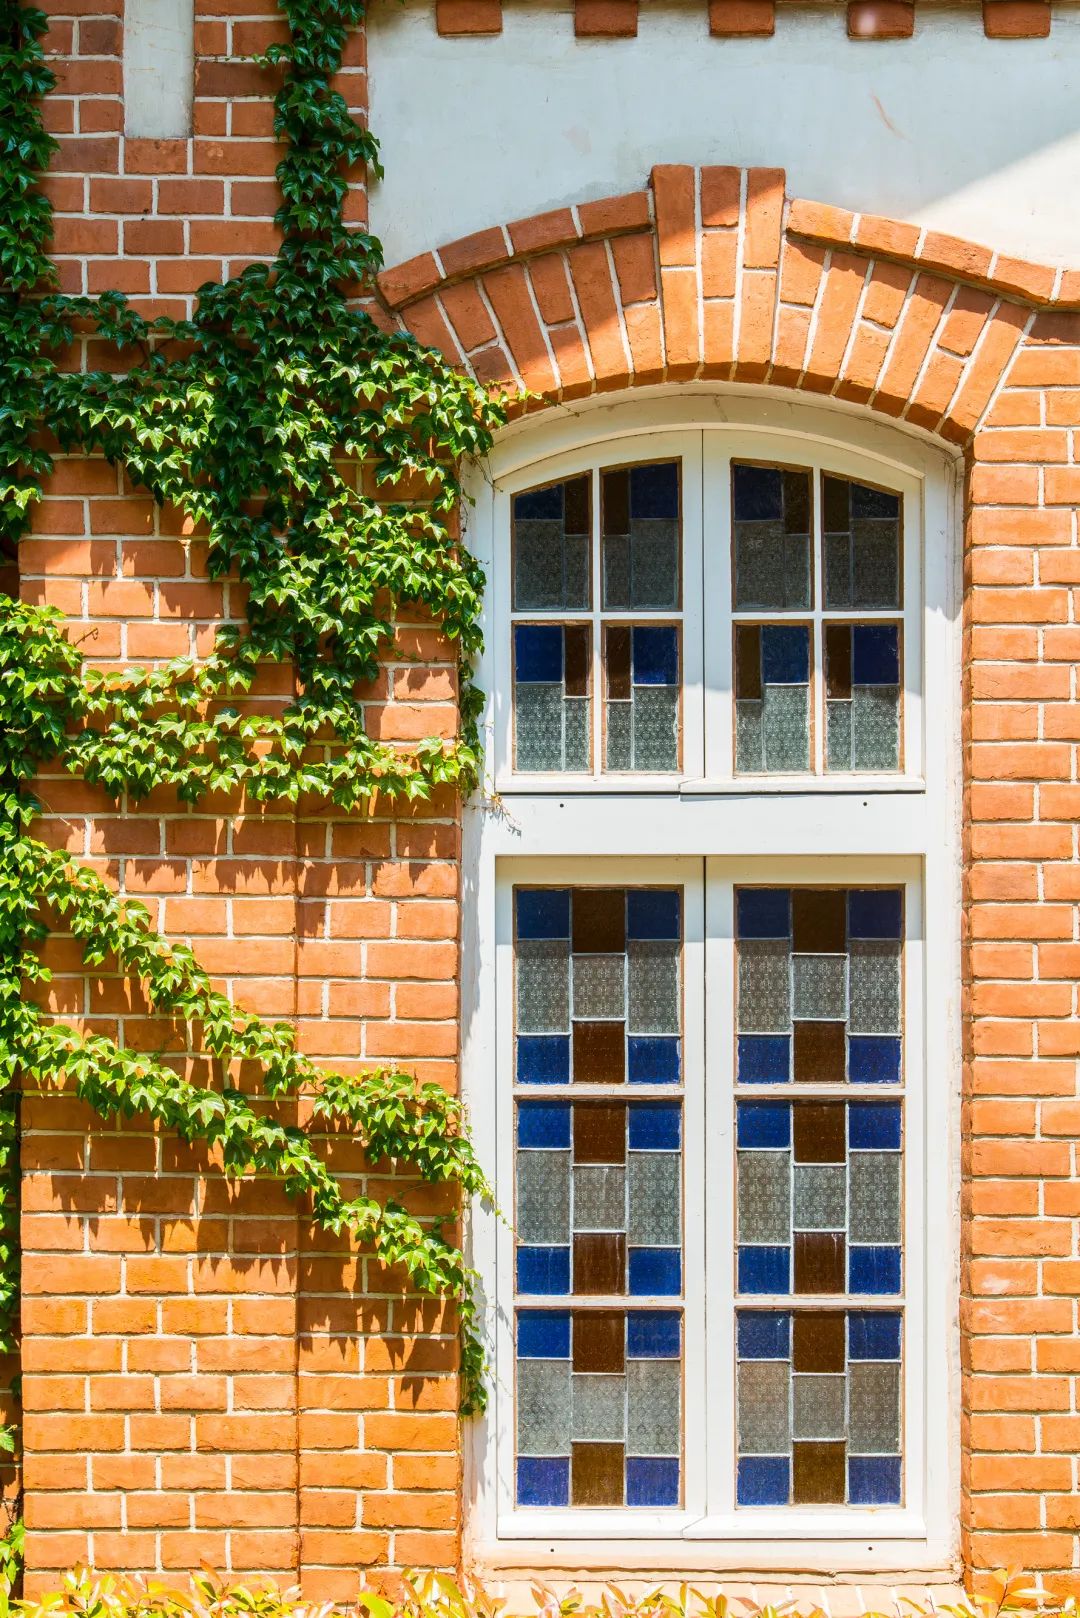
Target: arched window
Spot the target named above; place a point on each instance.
(715, 882)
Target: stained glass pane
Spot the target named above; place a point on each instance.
(862, 545)
(862, 688)
(772, 526)
(552, 528)
(551, 697)
(772, 698)
(641, 666)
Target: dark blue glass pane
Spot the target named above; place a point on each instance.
(655, 1272)
(652, 1480)
(764, 912)
(543, 1480)
(652, 1061)
(785, 654)
(764, 1269)
(873, 502)
(652, 913)
(543, 913)
(874, 1270)
(656, 656)
(764, 1123)
(764, 1059)
(874, 912)
(538, 650)
(874, 1480)
(873, 1059)
(763, 1336)
(763, 1480)
(875, 654)
(543, 1334)
(873, 1336)
(540, 502)
(653, 1334)
(543, 1123)
(654, 490)
(654, 1126)
(874, 1125)
(543, 1270)
(758, 493)
(543, 1059)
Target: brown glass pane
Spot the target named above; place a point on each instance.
(838, 660)
(819, 1132)
(599, 1053)
(797, 502)
(596, 1474)
(818, 1474)
(748, 660)
(576, 659)
(819, 1261)
(617, 661)
(599, 1133)
(599, 921)
(576, 507)
(818, 1341)
(818, 920)
(600, 1340)
(616, 503)
(819, 1054)
(599, 1264)
(835, 506)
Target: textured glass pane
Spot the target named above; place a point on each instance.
(764, 1196)
(837, 570)
(576, 587)
(764, 987)
(599, 1408)
(543, 1202)
(875, 1197)
(652, 1426)
(654, 549)
(619, 753)
(538, 726)
(538, 562)
(764, 1421)
(543, 986)
(875, 562)
(656, 727)
(875, 727)
(820, 986)
(820, 1197)
(655, 1197)
(786, 724)
(759, 565)
(654, 999)
(599, 1197)
(543, 1407)
(797, 571)
(838, 735)
(875, 987)
(599, 986)
(617, 572)
(576, 717)
(818, 1473)
(874, 1410)
(749, 737)
(818, 1406)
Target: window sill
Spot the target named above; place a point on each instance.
(743, 786)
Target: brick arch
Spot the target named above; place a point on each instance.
(714, 273)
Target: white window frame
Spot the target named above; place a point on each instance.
(711, 832)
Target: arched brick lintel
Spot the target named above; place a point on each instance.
(715, 273)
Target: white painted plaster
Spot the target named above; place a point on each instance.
(950, 129)
(159, 65)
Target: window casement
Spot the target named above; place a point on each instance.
(703, 1063)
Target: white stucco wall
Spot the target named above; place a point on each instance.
(975, 136)
(159, 65)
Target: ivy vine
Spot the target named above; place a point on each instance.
(264, 419)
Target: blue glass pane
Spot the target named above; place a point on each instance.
(764, 1269)
(651, 1481)
(874, 1270)
(652, 913)
(874, 1480)
(764, 913)
(758, 493)
(540, 502)
(543, 1334)
(654, 1126)
(544, 1271)
(656, 656)
(785, 654)
(763, 1336)
(543, 913)
(543, 1123)
(875, 654)
(655, 1272)
(764, 1123)
(654, 490)
(543, 1480)
(543, 1059)
(873, 1059)
(763, 1480)
(873, 502)
(874, 1125)
(874, 913)
(653, 1334)
(764, 1059)
(873, 1336)
(538, 652)
(652, 1061)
